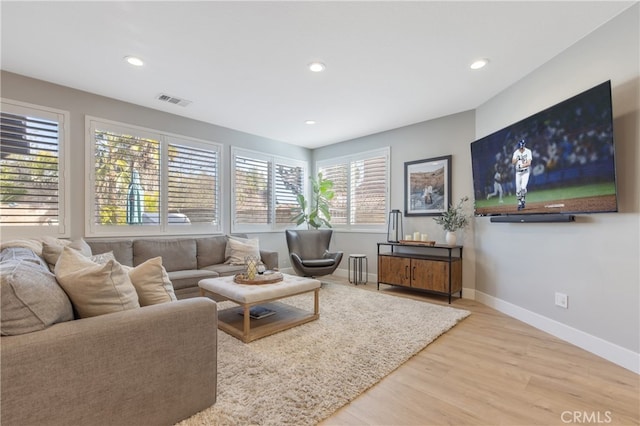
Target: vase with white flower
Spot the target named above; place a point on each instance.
(452, 219)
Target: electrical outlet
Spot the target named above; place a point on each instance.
(562, 300)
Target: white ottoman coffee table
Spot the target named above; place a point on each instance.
(243, 326)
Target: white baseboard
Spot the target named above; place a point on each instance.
(344, 273)
(611, 352)
(468, 293)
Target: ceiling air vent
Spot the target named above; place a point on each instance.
(173, 100)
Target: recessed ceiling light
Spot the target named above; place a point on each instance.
(316, 66)
(132, 60)
(310, 122)
(479, 64)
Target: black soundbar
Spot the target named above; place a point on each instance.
(533, 218)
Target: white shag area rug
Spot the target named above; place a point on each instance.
(302, 375)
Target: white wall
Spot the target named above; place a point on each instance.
(595, 261)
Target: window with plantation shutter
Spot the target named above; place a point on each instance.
(127, 178)
(339, 206)
(289, 180)
(150, 183)
(252, 198)
(32, 168)
(264, 190)
(193, 188)
(360, 184)
(368, 190)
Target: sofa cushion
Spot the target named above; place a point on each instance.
(211, 250)
(95, 289)
(52, 249)
(224, 269)
(190, 277)
(122, 249)
(177, 255)
(31, 298)
(152, 283)
(239, 248)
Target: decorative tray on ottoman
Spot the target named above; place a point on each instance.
(417, 243)
(266, 278)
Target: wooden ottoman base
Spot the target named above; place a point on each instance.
(245, 328)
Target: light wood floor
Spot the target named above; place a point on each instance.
(491, 369)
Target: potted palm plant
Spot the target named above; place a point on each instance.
(452, 219)
(316, 214)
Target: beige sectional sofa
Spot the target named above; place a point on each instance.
(150, 365)
(187, 260)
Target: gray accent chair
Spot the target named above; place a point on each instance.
(309, 252)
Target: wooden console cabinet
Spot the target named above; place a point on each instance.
(435, 269)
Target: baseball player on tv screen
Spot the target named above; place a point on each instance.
(522, 160)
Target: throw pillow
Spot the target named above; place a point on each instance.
(30, 243)
(152, 282)
(24, 254)
(239, 248)
(52, 249)
(32, 300)
(95, 289)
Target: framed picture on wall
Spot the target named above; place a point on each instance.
(427, 186)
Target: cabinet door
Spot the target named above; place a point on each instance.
(394, 270)
(430, 275)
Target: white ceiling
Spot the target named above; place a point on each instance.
(244, 64)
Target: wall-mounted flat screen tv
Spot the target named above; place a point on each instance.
(560, 160)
